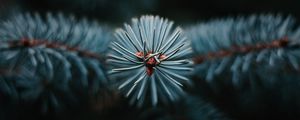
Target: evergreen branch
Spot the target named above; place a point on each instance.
(146, 59)
(234, 49)
(62, 57)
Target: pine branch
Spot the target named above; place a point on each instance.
(245, 49)
(149, 58)
(249, 65)
(62, 56)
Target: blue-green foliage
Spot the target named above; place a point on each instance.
(267, 75)
(149, 58)
(265, 62)
(57, 59)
